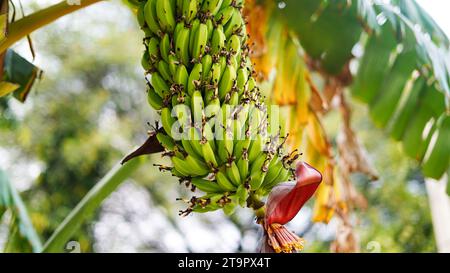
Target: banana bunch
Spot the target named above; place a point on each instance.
(221, 137)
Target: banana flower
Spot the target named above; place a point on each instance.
(284, 202)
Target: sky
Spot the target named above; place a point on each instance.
(439, 10)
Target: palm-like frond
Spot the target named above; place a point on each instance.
(405, 65)
(22, 234)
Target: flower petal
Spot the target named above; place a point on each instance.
(286, 199)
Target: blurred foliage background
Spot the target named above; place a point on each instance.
(90, 109)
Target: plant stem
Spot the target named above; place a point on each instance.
(90, 203)
(30, 23)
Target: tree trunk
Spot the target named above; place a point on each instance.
(440, 212)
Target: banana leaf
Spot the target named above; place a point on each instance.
(18, 76)
(22, 234)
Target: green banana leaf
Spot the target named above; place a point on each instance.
(403, 75)
(328, 30)
(22, 234)
(18, 77)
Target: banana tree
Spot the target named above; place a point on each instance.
(391, 56)
(229, 144)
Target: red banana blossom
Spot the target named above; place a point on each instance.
(284, 202)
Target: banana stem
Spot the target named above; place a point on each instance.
(90, 203)
(21, 28)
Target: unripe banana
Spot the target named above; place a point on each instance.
(208, 154)
(160, 85)
(217, 41)
(234, 99)
(166, 141)
(194, 27)
(211, 6)
(154, 99)
(234, 44)
(182, 46)
(242, 194)
(273, 171)
(241, 146)
(226, 3)
(179, 26)
(233, 174)
(173, 63)
(256, 148)
(145, 61)
(181, 76)
(224, 182)
(216, 73)
(200, 40)
(165, 14)
(233, 24)
(140, 15)
(243, 166)
(163, 69)
(197, 166)
(224, 15)
(194, 141)
(206, 186)
(241, 80)
(164, 47)
(167, 120)
(203, 86)
(210, 27)
(197, 107)
(206, 67)
(179, 7)
(194, 78)
(181, 166)
(189, 9)
(153, 49)
(227, 81)
(150, 17)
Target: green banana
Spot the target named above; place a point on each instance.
(227, 81)
(190, 9)
(243, 166)
(234, 44)
(164, 47)
(181, 46)
(200, 40)
(197, 107)
(224, 182)
(203, 87)
(234, 23)
(194, 78)
(197, 166)
(181, 166)
(165, 14)
(151, 18)
(181, 76)
(224, 15)
(154, 99)
(163, 69)
(167, 120)
(233, 173)
(206, 67)
(166, 141)
(217, 41)
(160, 85)
(145, 61)
(194, 27)
(212, 6)
(206, 185)
(208, 154)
